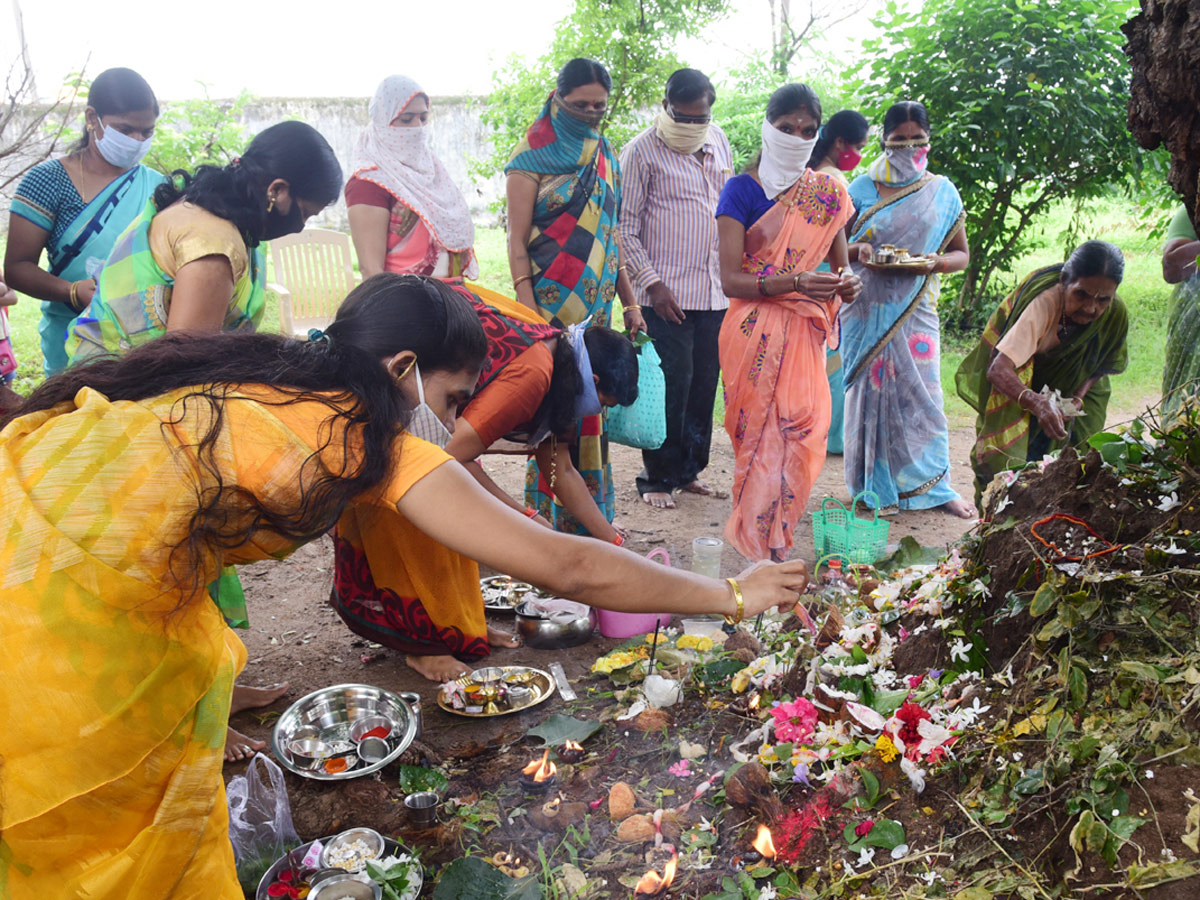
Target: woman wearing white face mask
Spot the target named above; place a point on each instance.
(75, 207)
(896, 439)
(776, 223)
(406, 213)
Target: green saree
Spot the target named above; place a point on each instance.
(1006, 436)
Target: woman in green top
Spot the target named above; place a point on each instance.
(1064, 328)
(1181, 372)
(191, 261)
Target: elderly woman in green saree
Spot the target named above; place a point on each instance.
(1065, 328)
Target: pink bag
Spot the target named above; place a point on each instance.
(626, 624)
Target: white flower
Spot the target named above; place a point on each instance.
(1173, 550)
(916, 777)
(1149, 773)
(865, 857)
(1006, 502)
(932, 736)
(900, 851)
(769, 892)
(960, 650)
(1168, 502)
(1005, 677)
(930, 877)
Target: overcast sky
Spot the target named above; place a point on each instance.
(309, 49)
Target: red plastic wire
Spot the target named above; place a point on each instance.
(1077, 521)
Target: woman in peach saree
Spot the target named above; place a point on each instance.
(777, 222)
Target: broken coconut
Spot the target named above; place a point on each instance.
(621, 801)
(636, 829)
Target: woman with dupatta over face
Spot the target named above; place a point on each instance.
(777, 223)
(897, 442)
(1064, 328)
(406, 213)
(126, 484)
(564, 194)
(74, 208)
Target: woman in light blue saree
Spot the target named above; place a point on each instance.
(75, 207)
(896, 438)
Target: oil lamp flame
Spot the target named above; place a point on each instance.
(541, 769)
(572, 745)
(755, 701)
(652, 883)
(763, 843)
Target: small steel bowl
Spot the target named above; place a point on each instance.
(309, 751)
(519, 695)
(307, 733)
(346, 886)
(553, 630)
(369, 836)
(488, 675)
(370, 723)
(372, 749)
(321, 876)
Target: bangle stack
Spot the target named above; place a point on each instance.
(741, 603)
(762, 286)
(796, 282)
(74, 304)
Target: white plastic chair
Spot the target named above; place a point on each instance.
(316, 274)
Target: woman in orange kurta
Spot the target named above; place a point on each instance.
(776, 224)
(124, 486)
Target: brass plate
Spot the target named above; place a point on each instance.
(539, 682)
(503, 594)
(913, 262)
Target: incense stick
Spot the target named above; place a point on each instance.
(653, 647)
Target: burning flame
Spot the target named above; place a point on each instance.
(755, 701)
(763, 843)
(652, 883)
(541, 770)
(572, 745)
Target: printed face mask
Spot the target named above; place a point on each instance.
(424, 422)
(121, 150)
(907, 162)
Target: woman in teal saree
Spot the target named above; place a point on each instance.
(896, 436)
(74, 208)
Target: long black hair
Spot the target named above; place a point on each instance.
(904, 111)
(293, 151)
(614, 362)
(116, 92)
(579, 72)
(850, 126)
(344, 373)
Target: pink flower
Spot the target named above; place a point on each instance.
(681, 769)
(864, 828)
(914, 681)
(794, 721)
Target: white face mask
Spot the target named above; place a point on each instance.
(121, 150)
(784, 159)
(682, 137)
(425, 423)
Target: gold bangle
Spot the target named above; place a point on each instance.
(626, 310)
(517, 281)
(741, 603)
(1021, 396)
(796, 282)
(74, 298)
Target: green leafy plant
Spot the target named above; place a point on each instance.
(414, 779)
(200, 131)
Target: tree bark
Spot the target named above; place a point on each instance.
(1164, 51)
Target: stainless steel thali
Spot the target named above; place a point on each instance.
(502, 594)
(390, 848)
(539, 682)
(327, 716)
(911, 262)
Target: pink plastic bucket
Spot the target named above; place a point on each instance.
(624, 624)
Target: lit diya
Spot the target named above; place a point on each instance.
(762, 854)
(571, 752)
(652, 883)
(539, 776)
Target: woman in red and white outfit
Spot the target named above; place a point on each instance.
(406, 213)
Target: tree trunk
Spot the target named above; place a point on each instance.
(1164, 51)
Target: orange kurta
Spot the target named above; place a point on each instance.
(115, 680)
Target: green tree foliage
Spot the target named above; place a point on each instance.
(198, 132)
(1027, 101)
(634, 39)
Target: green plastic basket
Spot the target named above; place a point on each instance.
(839, 532)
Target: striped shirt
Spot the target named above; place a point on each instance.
(668, 231)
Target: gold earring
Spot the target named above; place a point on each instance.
(270, 203)
(407, 369)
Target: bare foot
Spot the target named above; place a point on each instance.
(437, 668)
(961, 508)
(239, 747)
(498, 638)
(254, 697)
(659, 499)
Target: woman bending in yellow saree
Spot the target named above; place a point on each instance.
(124, 486)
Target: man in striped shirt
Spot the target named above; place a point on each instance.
(671, 178)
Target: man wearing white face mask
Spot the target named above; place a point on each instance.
(672, 176)
(74, 208)
(406, 213)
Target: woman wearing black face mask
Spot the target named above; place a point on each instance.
(192, 261)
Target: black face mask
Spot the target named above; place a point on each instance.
(279, 224)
